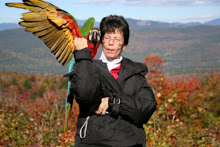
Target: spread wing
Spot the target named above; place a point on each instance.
(54, 26)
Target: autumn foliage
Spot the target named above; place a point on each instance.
(187, 113)
(32, 109)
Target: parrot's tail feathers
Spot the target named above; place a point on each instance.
(71, 68)
(67, 116)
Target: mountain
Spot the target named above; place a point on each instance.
(186, 49)
(23, 52)
(81, 23)
(134, 24)
(213, 22)
(141, 24)
(7, 26)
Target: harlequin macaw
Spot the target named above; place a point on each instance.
(57, 28)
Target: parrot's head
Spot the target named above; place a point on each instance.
(94, 40)
(94, 36)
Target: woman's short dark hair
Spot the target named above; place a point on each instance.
(113, 22)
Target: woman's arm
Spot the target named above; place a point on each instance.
(84, 83)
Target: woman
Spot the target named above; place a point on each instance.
(114, 97)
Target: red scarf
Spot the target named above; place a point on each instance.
(114, 72)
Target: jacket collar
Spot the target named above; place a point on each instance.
(129, 68)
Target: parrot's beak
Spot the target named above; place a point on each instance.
(94, 37)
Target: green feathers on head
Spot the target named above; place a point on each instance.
(88, 25)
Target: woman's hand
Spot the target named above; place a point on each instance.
(80, 43)
(103, 106)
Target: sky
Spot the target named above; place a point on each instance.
(182, 11)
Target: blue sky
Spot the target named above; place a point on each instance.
(158, 10)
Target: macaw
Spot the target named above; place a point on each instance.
(57, 28)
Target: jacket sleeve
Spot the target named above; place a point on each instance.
(84, 82)
(139, 108)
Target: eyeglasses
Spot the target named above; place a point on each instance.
(115, 40)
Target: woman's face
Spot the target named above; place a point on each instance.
(112, 44)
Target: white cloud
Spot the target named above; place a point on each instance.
(96, 2)
(172, 2)
(153, 2)
(202, 18)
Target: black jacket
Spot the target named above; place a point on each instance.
(131, 101)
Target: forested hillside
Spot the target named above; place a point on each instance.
(23, 52)
(187, 50)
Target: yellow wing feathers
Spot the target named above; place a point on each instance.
(43, 21)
